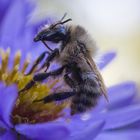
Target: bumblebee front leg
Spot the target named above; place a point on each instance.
(42, 76)
(50, 58)
(38, 60)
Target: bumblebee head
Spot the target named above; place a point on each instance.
(54, 33)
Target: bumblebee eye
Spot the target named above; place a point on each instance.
(61, 29)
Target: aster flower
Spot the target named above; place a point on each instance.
(102, 120)
(15, 32)
(21, 119)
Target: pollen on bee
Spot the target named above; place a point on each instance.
(25, 110)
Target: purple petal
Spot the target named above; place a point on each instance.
(25, 41)
(2, 125)
(122, 117)
(135, 125)
(89, 132)
(4, 5)
(14, 14)
(120, 135)
(48, 131)
(9, 135)
(13, 24)
(106, 59)
(8, 97)
(119, 96)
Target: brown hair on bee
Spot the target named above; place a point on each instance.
(75, 56)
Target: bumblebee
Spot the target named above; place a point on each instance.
(75, 57)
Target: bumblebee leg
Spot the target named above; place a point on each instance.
(42, 76)
(69, 80)
(28, 86)
(56, 97)
(49, 59)
(38, 60)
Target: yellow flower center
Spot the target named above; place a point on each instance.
(27, 111)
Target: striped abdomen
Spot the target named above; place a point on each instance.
(87, 93)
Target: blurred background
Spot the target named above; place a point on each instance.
(114, 25)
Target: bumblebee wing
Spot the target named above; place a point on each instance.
(93, 66)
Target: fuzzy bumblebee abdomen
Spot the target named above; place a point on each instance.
(87, 94)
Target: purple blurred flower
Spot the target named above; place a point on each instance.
(121, 114)
(45, 131)
(15, 32)
(117, 119)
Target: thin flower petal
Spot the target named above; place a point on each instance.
(2, 125)
(118, 118)
(120, 95)
(8, 97)
(120, 135)
(135, 125)
(106, 59)
(13, 24)
(4, 5)
(48, 131)
(9, 135)
(89, 132)
(122, 117)
(8, 34)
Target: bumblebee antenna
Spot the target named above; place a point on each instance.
(66, 21)
(63, 16)
(60, 22)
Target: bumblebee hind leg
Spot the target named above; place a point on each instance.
(69, 81)
(56, 97)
